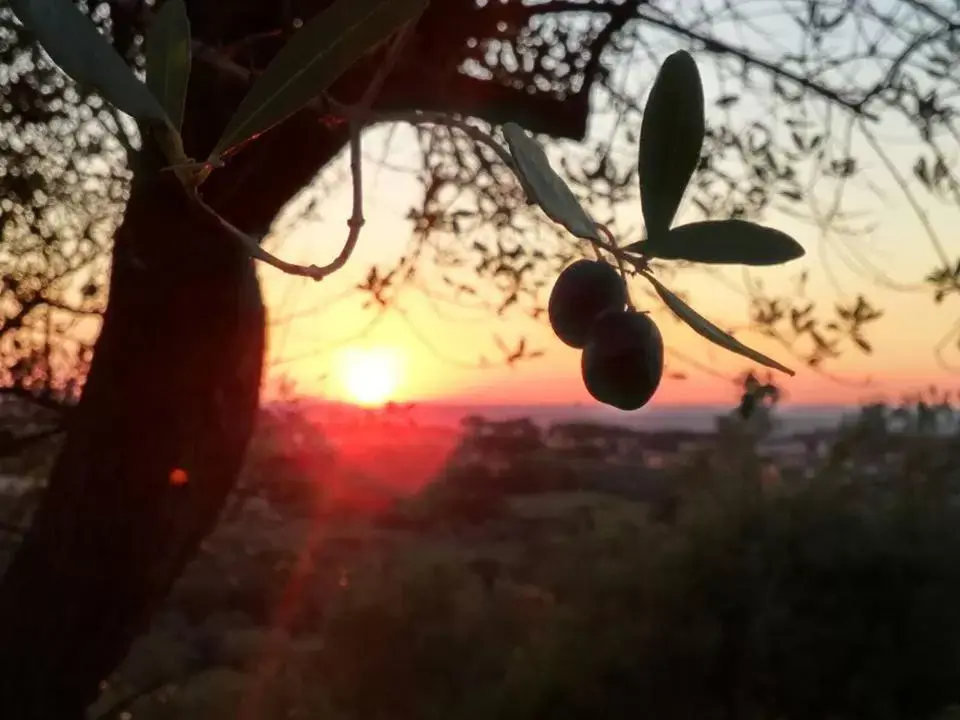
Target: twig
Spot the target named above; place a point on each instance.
(252, 244)
(210, 56)
(356, 221)
(719, 47)
(359, 119)
(361, 116)
(421, 117)
(901, 181)
(613, 241)
(389, 63)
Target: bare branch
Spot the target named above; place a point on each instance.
(720, 47)
(907, 193)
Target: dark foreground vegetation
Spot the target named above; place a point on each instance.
(494, 592)
(534, 581)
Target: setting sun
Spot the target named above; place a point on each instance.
(369, 376)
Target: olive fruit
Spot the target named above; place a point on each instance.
(582, 292)
(622, 362)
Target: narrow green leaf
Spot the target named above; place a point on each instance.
(312, 60)
(671, 135)
(72, 41)
(722, 242)
(168, 58)
(710, 331)
(544, 187)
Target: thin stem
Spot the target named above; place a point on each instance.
(252, 244)
(356, 221)
(905, 188)
(359, 118)
(421, 117)
(623, 273)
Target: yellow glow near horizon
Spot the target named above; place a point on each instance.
(903, 340)
(369, 376)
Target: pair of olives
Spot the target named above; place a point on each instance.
(622, 360)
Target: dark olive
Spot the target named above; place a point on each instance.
(622, 363)
(583, 291)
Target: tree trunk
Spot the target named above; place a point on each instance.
(174, 386)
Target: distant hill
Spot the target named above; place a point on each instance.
(697, 418)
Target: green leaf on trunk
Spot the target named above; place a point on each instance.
(72, 41)
(722, 242)
(671, 135)
(311, 61)
(168, 59)
(710, 331)
(543, 186)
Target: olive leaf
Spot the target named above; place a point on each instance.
(720, 242)
(544, 187)
(72, 41)
(710, 331)
(671, 136)
(311, 61)
(168, 58)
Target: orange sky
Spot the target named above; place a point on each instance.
(311, 346)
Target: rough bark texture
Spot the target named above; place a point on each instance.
(177, 367)
(174, 385)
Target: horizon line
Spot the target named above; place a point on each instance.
(466, 402)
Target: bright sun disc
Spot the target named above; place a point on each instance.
(369, 376)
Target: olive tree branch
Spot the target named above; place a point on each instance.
(425, 117)
(360, 117)
(901, 182)
(356, 221)
(719, 47)
(315, 272)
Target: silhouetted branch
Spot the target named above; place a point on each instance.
(720, 47)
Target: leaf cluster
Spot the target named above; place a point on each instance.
(671, 139)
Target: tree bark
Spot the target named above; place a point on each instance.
(174, 386)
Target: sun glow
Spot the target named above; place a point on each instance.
(369, 376)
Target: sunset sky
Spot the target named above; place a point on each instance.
(318, 346)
